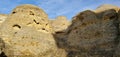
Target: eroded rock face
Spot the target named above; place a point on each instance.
(60, 24)
(27, 33)
(117, 54)
(90, 35)
(3, 17)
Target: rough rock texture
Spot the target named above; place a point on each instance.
(27, 33)
(106, 7)
(60, 24)
(3, 17)
(92, 36)
(118, 47)
(117, 54)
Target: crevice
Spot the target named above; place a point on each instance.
(58, 32)
(29, 24)
(3, 54)
(36, 22)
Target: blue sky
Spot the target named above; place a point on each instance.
(54, 8)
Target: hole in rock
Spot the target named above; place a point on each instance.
(46, 24)
(13, 12)
(112, 17)
(16, 26)
(31, 13)
(43, 28)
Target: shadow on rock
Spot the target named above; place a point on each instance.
(2, 46)
(90, 35)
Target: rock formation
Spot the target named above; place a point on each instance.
(27, 32)
(89, 33)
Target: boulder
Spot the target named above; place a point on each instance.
(60, 24)
(92, 34)
(27, 33)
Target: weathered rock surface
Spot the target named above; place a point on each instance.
(118, 40)
(91, 36)
(27, 33)
(60, 24)
(106, 7)
(3, 17)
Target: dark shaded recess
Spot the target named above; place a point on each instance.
(16, 25)
(3, 54)
(13, 12)
(36, 22)
(31, 13)
(61, 42)
(2, 46)
(43, 28)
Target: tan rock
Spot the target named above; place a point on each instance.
(27, 33)
(106, 7)
(60, 24)
(91, 36)
(3, 17)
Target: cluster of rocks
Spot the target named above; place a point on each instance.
(27, 32)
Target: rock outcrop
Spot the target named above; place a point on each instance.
(27, 33)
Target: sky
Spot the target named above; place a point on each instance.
(54, 8)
